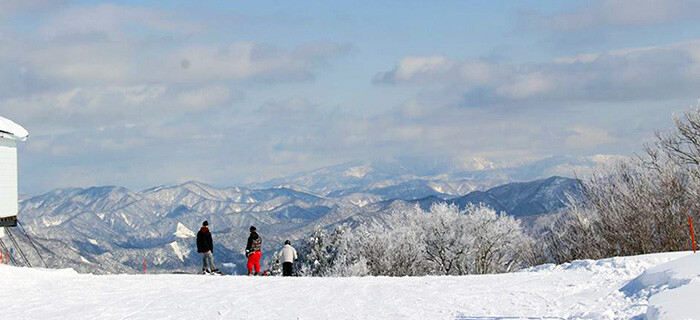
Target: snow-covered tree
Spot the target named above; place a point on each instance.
(475, 240)
(499, 243)
(312, 254)
(274, 265)
(411, 242)
(447, 240)
(393, 248)
(328, 254)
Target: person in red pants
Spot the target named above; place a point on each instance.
(252, 251)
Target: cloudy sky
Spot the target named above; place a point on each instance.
(230, 92)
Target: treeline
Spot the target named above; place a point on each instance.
(638, 206)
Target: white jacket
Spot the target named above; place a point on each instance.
(288, 254)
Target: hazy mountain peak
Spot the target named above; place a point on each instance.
(475, 164)
(357, 171)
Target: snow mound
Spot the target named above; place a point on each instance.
(633, 266)
(670, 288)
(670, 275)
(675, 304)
(183, 232)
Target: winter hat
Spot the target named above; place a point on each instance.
(288, 242)
(252, 229)
(205, 223)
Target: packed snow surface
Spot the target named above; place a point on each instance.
(615, 288)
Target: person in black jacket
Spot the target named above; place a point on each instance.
(205, 246)
(253, 251)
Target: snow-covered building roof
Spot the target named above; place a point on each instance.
(11, 130)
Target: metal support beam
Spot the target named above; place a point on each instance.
(14, 243)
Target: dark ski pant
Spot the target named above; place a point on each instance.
(254, 262)
(208, 257)
(287, 269)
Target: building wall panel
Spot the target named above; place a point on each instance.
(8, 178)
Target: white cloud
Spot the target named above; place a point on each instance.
(113, 22)
(526, 85)
(411, 67)
(630, 74)
(586, 137)
(413, 109)
(120, 45)
(239, 60)
(581, 58)
(403, 133)
(295, 107)
(125, 62)
(618, 13)
(108, 106)
(78, 63)
(206, 97)
(417, 69)
(477, 72)
(10, 6)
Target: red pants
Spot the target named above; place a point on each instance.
(254, 261)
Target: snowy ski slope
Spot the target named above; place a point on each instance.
(604, 289)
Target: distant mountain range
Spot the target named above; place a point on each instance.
(113, 229)
(414, 179)
(519, 199)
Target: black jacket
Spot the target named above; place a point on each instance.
(254, 243)
(204, 242)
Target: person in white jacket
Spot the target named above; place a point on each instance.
(288, 255)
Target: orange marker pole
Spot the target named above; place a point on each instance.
(692, 233)
(144, 266)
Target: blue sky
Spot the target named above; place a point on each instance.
(137, 93)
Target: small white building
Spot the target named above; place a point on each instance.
(10, 133)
